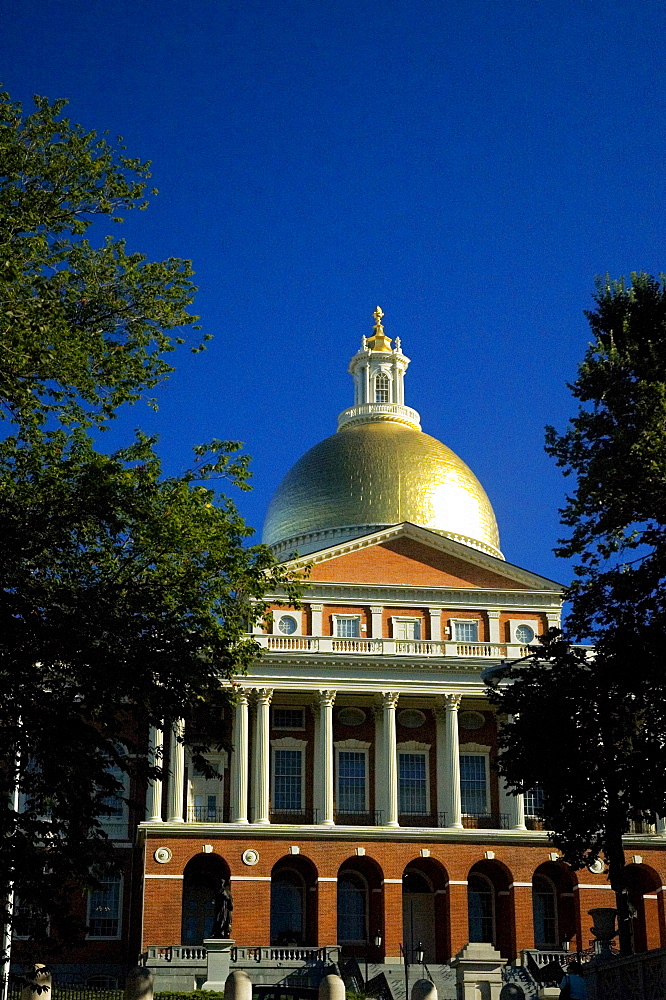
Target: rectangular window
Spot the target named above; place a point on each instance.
(534, 801)
(104, 909)
(288, 780)
(205, 808)
(466, 631)
(347, 626)
(352, 781)
(474, 784)
(413, 783)
(288, 718)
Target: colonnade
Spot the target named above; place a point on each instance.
(250, 801)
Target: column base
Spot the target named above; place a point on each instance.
(241, 821)
(175, 819)
(392, 823)
(326, 822)
(261, 822)
(456, 826)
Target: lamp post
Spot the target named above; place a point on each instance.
(419, 956)
(377, 942)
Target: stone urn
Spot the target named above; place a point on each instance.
(603, 929)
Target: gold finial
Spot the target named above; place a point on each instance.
(378, 320)
(378, 341)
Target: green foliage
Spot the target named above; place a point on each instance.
(591, 729)
(125, 594)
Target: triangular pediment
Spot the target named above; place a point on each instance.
(408, 555)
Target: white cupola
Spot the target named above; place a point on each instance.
(378, 370)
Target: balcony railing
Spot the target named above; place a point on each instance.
(430, 819)
(202, 814)
(391, 647)
(372, 817)
(485, 821)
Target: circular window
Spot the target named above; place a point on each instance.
(351, 716)
(287, 625)
(411, 718)
(525, 634)
(472, 720)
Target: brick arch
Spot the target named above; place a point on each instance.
(436, 876)
(496, 875)
(563, 881)
(367, 874)
(644, 884)
(294, 883)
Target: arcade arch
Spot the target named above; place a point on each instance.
(424, 913)
(360, 907)
(490, 910)
(294, 901)
(203, 879)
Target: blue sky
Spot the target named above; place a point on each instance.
(468, 166)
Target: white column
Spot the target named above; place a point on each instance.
(440, 748)
(377, 611)
(154, 790)
(661, 825)
(325, 701)
(366, 382)
(389, 702)
(176, 773)
(435, 623)
(380, 787)
(316, 613)
(553, 619)
(493, 626)
(239, 759)
(453, 807)
(261, 758)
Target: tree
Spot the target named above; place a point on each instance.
(126, 594)
(590, 729)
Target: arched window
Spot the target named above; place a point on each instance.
(352, 908)
(287, 907)
(203, 878)
(544, 906)
(481, 908)
(381, 389)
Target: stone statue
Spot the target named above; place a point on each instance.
(224, 904)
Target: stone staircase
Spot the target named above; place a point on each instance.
(442, 976)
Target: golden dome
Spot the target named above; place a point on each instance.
(371, 475)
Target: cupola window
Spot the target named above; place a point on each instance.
(381, 389)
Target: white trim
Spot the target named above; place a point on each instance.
(453, 881)
(250, 878)
(583, 885)
(163, 876)
(520, 885)
(649, 895)
(327, 878)
(464, 621)
(515, 623)
(392, 881)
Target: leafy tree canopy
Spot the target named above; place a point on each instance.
(590, 729)
(125, 594)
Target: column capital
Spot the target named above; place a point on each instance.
(389, 700)
(316, 606)
(263, 696)
(376, 609)
(492, 613)
(325, 698)
(435, 609)
(241, 695)
(452, 702)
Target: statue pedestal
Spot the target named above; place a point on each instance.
(219, 955)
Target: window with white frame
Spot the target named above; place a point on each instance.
(474, 784)
(115, 821)
(286, 624)
(523, 632)
(534, 802)
(406, 628)
(206, 792)
(464, 629)
(413, 783)
(544, 906)
(104, 910)
(381, 388)
(28, 921)
(347, 626)
(288, 775)
(352, 776)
